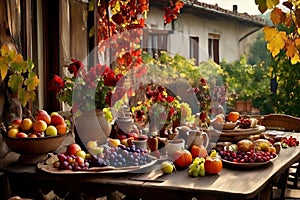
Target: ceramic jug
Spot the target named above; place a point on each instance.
(197, 137)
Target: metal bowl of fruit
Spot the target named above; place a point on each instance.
(35, 136)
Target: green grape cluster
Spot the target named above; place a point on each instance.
(197, 167)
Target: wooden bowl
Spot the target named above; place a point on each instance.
(34, 146)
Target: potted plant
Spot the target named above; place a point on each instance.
(18, 82)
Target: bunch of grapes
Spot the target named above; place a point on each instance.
(121, 156)
(70, 162)
(289, 141)
(197, 167)
(247, 157)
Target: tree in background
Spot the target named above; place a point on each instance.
(283, 42)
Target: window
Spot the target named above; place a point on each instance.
(194, 49)
(155, 41)
(213, 47)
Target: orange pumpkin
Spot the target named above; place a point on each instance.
(213, 165)
(198, 151)
(182, 158)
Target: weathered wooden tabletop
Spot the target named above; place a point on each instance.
(231, 183)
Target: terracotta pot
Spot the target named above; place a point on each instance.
(91, 125)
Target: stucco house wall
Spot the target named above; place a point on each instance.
(235, 36)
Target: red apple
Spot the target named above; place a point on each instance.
(79, 160)
(43, 115)
(26, 124)
(61, 129)
(16, 123)
(122, 136)
(39, 125)
(57, 119)
(73, 148)
(134, 135)
(32, 135)
(21, 135)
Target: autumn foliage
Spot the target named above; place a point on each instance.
(283, 36)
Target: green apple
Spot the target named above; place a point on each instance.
(51, 131)
(167, 167)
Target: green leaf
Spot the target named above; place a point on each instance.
(15, 82)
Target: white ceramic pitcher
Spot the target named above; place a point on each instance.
(197, 137)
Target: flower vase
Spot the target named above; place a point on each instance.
(91, 126)
(105, 125)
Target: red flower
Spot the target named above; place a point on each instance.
(57, 83)
(75, 66)
(109, 78)
(203, 81)
(170, 99)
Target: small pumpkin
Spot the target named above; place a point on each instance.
(198, 151)
(213, 164)
(182, 158)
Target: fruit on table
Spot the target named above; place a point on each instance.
(182, 158)
(213, 164)
(245, 123)
(81, 154)
(73, 148)
(220, 118)
(233, 116)
(43, 115)
(21, 135)
(39, 125)
(198, 151)
(247, 157)
(57, 119)
(26, 124)
(262, 145)
(167, 167)
(197, 167)
(61, 129)
(51, 131)
(12, 132)
(113, 142)
(245, 145)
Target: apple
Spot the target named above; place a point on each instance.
(43, 115)
(12, 132)
(61, 129)
(26, 124)
(73, 148)
(57, 119)
(32, 135)
(80, 153)
(54, 113)
(134, 135)
(21, 135)
(51, 131)
(16, 123)
(79, 159)
(122, 136)
(39, 125)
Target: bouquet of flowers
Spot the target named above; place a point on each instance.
(88, 89)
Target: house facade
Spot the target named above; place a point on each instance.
(202, 31)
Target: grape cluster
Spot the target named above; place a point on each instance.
(289, 141)
(197, 167)
(70, 162)
(121, 156)
(247, 157)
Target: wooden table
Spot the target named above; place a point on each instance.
(229, 184)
